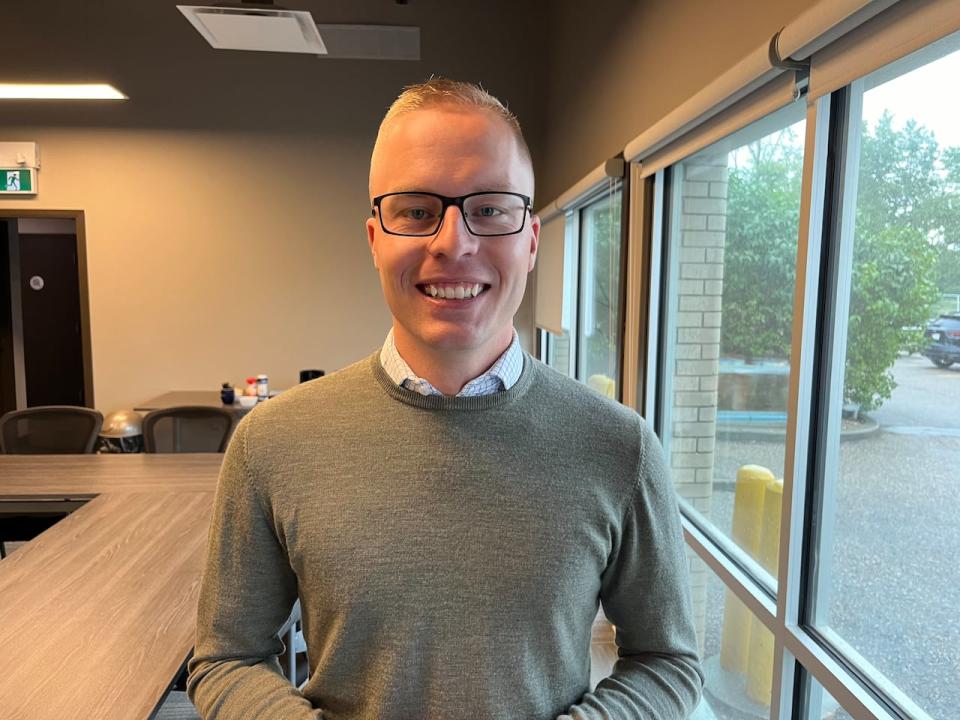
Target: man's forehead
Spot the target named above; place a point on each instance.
(466, 145)
(444, 126)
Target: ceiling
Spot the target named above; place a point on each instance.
(149, 51)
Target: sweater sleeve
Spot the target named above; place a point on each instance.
(247, 593)
(645, 591)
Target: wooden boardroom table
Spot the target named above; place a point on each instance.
(97, 614)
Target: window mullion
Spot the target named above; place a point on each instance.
(794, 520)
(833, 676)
(655, 370)
(737, 580)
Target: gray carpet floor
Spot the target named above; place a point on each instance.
(176, 707)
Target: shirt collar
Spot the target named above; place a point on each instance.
(502, 375)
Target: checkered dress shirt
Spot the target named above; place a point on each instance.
(501, 376)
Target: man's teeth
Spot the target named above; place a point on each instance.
(459, 291)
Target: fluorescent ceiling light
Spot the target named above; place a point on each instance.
(265, 29)
(55, 91)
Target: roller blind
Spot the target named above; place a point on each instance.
(776, 94)
(821, 24)
(587, 185)
(900, 30)
(551, 309)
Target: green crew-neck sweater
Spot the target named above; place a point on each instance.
(449, 555)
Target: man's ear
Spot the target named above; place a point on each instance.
(371, 233)
(534, 240)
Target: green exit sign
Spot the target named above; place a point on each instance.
(18, 181)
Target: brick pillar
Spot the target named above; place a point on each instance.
(703, 221)
(561, 354)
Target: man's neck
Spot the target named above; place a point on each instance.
(448, 371)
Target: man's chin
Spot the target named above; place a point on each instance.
(455, 341)
(459, 340)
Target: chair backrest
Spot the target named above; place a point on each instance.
(50, 430)
(187, 428)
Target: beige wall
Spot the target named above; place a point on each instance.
(617, 67)
(215, 256)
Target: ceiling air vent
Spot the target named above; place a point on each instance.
(371, 42)
(261, 26)
(258, 27)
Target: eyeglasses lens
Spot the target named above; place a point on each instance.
(485, 214)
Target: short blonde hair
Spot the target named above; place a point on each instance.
(443, 91)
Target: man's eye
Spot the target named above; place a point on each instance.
(416, 213)
(487, 211)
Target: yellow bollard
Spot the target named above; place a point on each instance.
(603, 385)
(752, 481)
(760, 660)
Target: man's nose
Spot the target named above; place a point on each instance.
(453, 239)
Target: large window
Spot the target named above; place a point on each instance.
(590, 350)
(600, 294)
(807, 393)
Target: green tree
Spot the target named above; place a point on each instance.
(906, 249)
(763, 212)
(907, 179)
(903, 217)
(947, 209)
(893, 289)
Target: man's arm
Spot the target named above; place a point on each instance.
(247, 594)
(645, 593)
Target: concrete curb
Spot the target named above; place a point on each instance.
(773, 433)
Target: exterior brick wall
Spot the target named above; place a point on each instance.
(560, 360)
(703, 222)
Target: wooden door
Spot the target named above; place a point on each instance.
(50, 306)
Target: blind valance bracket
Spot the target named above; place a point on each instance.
(615, 167)
(785, 63)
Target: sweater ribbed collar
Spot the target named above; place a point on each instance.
(444, 402)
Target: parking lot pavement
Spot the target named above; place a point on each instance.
(925, 396)
(896, 589)
(892, 588)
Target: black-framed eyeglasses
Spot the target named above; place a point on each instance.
(420, 214)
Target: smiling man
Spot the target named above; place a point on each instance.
(449, 511)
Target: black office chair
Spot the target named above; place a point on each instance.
(176, 706)
(47, 430)
(293, 662)
(50, 430)
(293, 659)
(187, 428)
